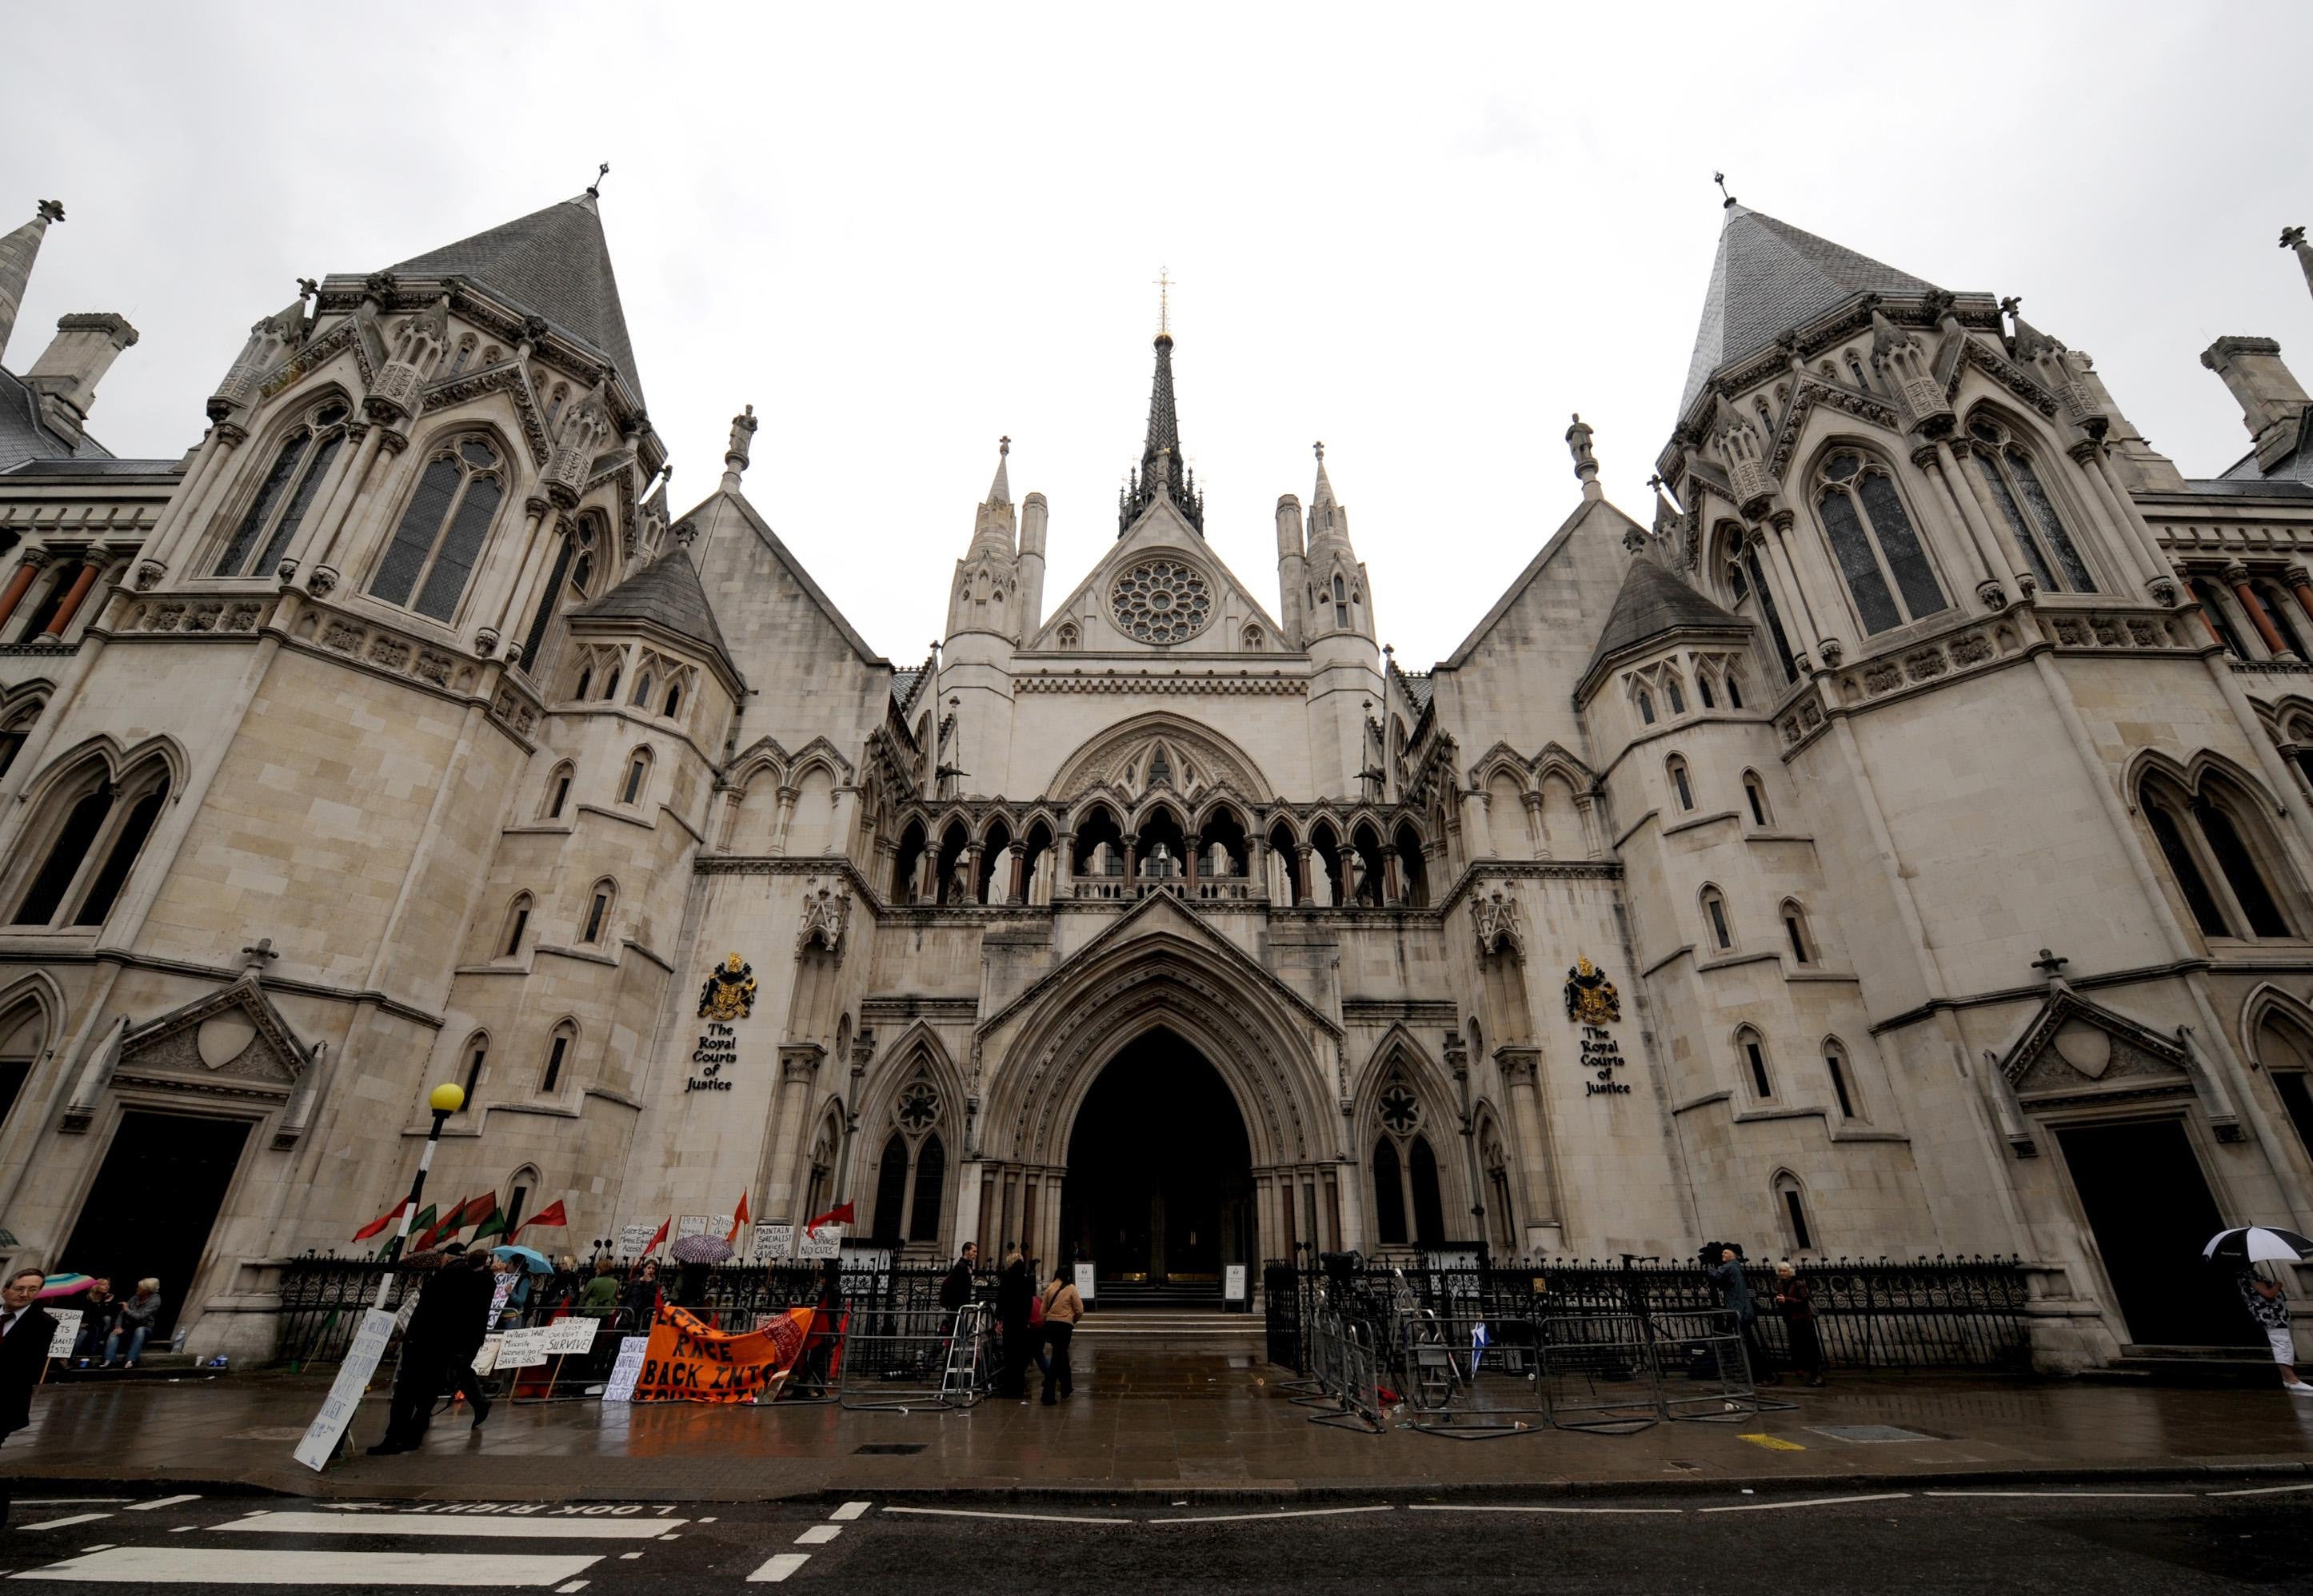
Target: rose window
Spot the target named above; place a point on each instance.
(1162, 602)
(1401, 1110)
(918, 1105)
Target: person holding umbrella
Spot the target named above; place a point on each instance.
(2245, 1247)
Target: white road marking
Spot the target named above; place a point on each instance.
(782, 1565)
(2056, 1493)
(849, 1512)
(184, 1529)
(78, 1518)
(1811, 1502)
(629, 1557)
(1289, 1513)
(818, 1535)
(65, 1500)
(568, 1589)
(463, 1524)
(2263, 1491)
(195, 1565)
(1031, 1518)
(162, 1502)
(1487, 1507)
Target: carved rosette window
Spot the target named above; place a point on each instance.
(1401, 1110)
(1161, 601)
(918, 1107)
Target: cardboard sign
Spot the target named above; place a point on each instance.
(1233, 1283)
(826, 1242)
(774, 1241)
(501, 1288)
(1084, 1274)
(345, 1395)
(60, 1345)
(486, 1359)
(574, 1334)
(687, 1361)
(702, 1224)
(633, 1349)
(634, 1238)
(522, 1349)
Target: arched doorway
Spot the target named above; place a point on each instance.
(1159, 1187)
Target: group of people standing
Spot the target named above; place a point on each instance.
(1794, 1302)
(1033, 1326)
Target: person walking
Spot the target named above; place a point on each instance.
(26, 1332)
(468, 1314)
(1735, 1296)
(1795, 1300)
(955, 1286)
(437, 1330)
(2269, 1307)
(1063, 1307)
(136, 1320)
(100, 1311)
(1015, 1292)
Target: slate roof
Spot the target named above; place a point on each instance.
(665, 593)
(24, 438)
(1418, 688)
(1651, 603)
(2296, 466)
(106, 467)
(555, 262)
(904, 685)
(1770, 276)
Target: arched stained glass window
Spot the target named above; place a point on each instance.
(440, 538)
(1879, 556)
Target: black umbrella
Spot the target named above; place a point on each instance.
(2257, 1244)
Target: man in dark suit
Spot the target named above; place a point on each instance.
(26, 1330)
(452, 1311)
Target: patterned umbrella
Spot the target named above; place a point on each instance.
(703, 1250)
(66, 1286)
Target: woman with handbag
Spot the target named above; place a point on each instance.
(1062, 1306)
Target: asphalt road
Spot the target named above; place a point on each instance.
(2149, 1538)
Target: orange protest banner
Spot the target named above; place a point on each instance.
(688, 1361)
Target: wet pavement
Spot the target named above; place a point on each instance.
(1149, 1416)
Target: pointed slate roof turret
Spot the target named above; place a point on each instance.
(666, 593)
(554, 262)
(1652, 604)
(1162, 473)
(18, 250)
(1770, 276)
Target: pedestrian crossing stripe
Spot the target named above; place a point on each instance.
(178, 1565)
(473, 1524)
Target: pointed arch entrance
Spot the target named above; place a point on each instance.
(1158, 1192)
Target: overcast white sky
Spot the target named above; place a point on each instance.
(1423, 235)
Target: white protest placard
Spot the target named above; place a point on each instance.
(1233, 1283)
(1085, 1273)
(634, 1238)
(60, 1345)
(501, 1289)
(689, 1224)
(827, 1241)
(345, 1395)
(486, 1359)
(522, 1349)
(626, 1370)
(774, 1241)
(574, 1334)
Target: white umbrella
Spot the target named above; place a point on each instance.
(2258, 1244)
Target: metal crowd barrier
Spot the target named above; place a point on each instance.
(1706, 1346)
(915, 1356)
(1600, 1374)
(1345, 1365)
(1466, 1375)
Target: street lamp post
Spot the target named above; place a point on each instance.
(445, 1100)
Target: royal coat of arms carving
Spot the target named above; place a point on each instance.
(729, 993)
(1590, 997)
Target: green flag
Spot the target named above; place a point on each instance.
(494, 1225)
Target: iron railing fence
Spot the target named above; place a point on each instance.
(322, 1298)
(1926, 1314)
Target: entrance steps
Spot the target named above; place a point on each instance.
(1169, 1324)
(2201, 1367)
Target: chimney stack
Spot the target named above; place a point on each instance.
(2272, 403)
(67, 372)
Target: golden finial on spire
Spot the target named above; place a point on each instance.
(1164, 302)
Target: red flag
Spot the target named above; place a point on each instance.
(657, 1236)
(377, 1226)
(552, 1216)
(842, 1216)
(732, 1238)
(458, 1219)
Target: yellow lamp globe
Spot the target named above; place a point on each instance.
(446, 1099)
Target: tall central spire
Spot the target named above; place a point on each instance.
(1163, 474)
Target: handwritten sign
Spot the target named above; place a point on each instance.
(524, 1349)
(60, 1345)
(827, 1241)
(329, 1426)
(574, 1334)
(1602, 1055)
(634, 1238)
(626, 1370)
(690, 1362)
(487, 1358)
(501, 1289)
(773, 1241)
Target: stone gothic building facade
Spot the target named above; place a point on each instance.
(1896, 843)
